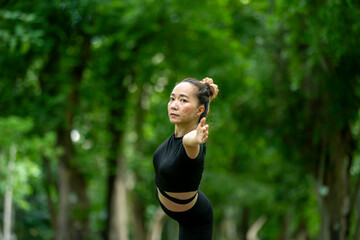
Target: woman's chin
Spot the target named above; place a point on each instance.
(172, 120)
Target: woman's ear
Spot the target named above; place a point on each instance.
(200, 110)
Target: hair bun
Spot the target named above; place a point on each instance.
(212, 88)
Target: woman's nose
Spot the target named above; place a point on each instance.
(173, 104)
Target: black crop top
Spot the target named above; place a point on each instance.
(174, 170)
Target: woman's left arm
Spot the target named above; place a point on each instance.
(193, 139)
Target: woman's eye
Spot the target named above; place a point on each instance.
(171, 98)
(183, 100)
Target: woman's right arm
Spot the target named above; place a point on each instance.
(193, 139)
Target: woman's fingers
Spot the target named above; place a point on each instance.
(202, 122)
(206, 127)
(202, 131)
(205, 133)
(204, 138)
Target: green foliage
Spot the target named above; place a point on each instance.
(20, 157)
(288, 79)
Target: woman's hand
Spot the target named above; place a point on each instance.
(193, 139)
(202, 131)
(197, 136)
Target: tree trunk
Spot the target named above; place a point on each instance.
(228, 227)
(244, 223)
(110, 229)
(72, 222)
(7, 213)
(138, 207)
(116, 191)
(73, 200)
(301, 233)
(335, 199)
(284, 233)
(255, 228)
(157, 225)
(8, 195)
(138, 217)
(357, 214)
(63, 219)
(49, 90)
(118, 224)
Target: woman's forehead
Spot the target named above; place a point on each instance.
(184, 88)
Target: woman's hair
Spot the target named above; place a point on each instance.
(205, 94)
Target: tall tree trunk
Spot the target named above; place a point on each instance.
(49, 89)
(73, 209)
(116, 137)
(73, 200)
(8, 213)
(244, 223)
(63, 219)
(137, 204)
(255, 228)
(72, 222)
(301, 232)
(336, 199)
(228, 227)
(8, 195)
(116, 194)
(357, 214)
(157, 225)
(284, 233)
(138, 216)
(119, 221)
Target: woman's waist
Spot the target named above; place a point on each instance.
(177, 201)
(181, 195)
(177, 189)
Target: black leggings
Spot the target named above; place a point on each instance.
(195, 223)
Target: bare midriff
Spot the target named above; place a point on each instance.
(176, 207)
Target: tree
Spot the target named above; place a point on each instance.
(316, 74)
(93, 78)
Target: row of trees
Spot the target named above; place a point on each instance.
(84, 88)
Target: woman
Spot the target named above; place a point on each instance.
(179, 161)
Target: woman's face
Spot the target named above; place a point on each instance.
(183, 105)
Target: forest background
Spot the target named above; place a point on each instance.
(84, 86)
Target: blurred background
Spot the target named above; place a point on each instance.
(84, 86)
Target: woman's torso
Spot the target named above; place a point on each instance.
(176, 174)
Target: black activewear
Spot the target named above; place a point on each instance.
(176, 172)
(195, 223)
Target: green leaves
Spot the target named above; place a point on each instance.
(287, 74)
(20, 155)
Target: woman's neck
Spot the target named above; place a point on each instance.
(182, 129)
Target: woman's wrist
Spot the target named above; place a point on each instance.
(190, 139)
